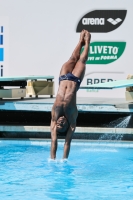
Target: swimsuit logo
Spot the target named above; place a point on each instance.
(101, 21)
(105, 52)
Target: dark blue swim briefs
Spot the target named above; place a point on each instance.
(71, 77)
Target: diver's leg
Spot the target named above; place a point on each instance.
(70, 64)
(79, 69)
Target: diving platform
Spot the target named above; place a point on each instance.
(128, 84)
(20, 86)
(110, 85)
(24, 78)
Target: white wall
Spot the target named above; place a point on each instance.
(42, 35)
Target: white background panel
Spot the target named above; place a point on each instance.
(42, 34)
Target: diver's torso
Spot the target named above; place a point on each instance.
(65, 103)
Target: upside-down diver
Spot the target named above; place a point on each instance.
(64, 111)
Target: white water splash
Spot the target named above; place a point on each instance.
(111, 137)
(119, 123)
(57, 160)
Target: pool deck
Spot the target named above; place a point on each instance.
(84, 104)
(86, 133)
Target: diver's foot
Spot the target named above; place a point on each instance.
(87, 37)
(82, 35)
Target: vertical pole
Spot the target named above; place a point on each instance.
(1, 70)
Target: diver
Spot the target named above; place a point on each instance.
(64, 111)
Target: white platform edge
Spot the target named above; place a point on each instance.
(48, 107)
(46, 129)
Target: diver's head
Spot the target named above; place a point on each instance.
(62, 124)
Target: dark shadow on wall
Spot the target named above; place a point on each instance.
(85, 119)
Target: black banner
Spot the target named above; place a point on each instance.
(101, 21)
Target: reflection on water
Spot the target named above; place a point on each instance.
(60, 174)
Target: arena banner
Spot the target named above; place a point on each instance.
(101, 21)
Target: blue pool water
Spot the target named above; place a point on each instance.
(92, 172)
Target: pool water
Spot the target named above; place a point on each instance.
(92, 172)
